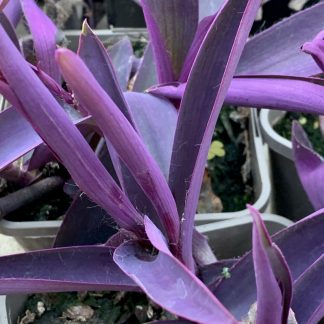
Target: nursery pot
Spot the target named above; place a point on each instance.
(229, 237)
(260, 175)
(289, 197)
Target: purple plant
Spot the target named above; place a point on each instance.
(309, 164)
(158, 154)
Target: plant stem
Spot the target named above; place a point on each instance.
(30, 194)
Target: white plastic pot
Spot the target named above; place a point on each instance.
(229, 237)
(289, 197)
(260, 173)
(232, 237)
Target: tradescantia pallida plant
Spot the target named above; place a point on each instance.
(309, 163)
(158, 154)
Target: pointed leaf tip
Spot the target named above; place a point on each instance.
(273, 278)
(316, 49)
(257, 220)
(85, 27)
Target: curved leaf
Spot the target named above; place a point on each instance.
(273, 298)
(277, 49)
(300, 94)
(317, 315)
(201, 32)
(97, 59)
(207, 85)
(309, 165)
(308, 298)
(155, 120)
(167, 282)
(123, 137)
(13, 11)
(202, 252)
(44, 34)
(85, 223)
(211, 274)
(301, 245)
(8, 27)
(316, 49)
(172, 25)
(65, 269)
(17, 136)
(147, 74)
(121, 55)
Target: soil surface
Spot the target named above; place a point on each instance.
(310, 124)
(92, 308)
(230, 173)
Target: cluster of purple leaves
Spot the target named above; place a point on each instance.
(149, 183)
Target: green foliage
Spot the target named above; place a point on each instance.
(225, 171)
(310, 124)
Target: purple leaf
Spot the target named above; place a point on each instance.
(317, 315)
(13, 11)
(63, 138)
(277, 49)
(275, 92)
(172, 25)
(123, 137)
(85, 223)
(93, 53)
(65, 269)
(119, 238)
(44, 33)
(8, 94)
(316, 49)
(202, 251)
(273, 300)
(41, 155)
(147, 74)
(121, 55)
(201, 32)
(301, 244)
(17, 136)
(168, 282)
(155, 119)
(96, 57)
(211, 274)
(210, 77)
(309, 165)
(308, 301)
(8, 27)
(56, 89)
